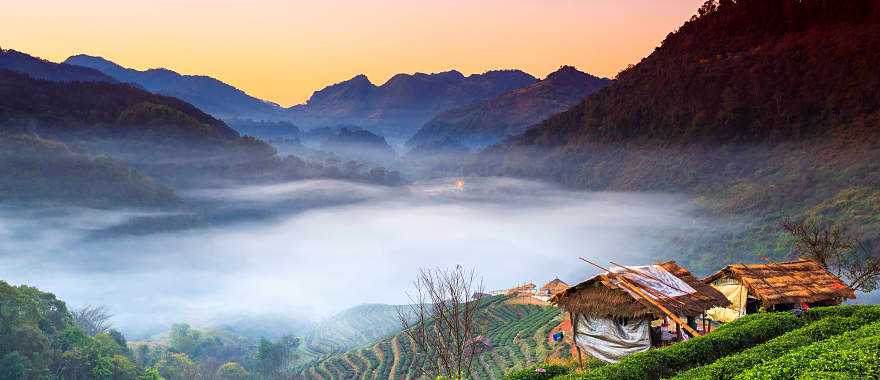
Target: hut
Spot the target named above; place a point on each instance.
(775, 286)
(522, 290)
(553, 287)
(611, 313)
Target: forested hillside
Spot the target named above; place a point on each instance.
(39, 340)
(518, 335)
(758, 109)
(40, 170)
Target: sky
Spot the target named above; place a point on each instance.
(282, 51)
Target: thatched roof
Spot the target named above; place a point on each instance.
(601, 296)
(555, 286)
(784, 283)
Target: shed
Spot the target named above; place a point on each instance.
(776, 286)
(611, 312)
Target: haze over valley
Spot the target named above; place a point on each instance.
(164, 223)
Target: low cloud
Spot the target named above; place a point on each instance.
(309, 262)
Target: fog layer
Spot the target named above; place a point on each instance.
(309, 262)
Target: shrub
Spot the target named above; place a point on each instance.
(538, 372)
(729, 366)
(854, 353)
(865, 312)
(729, 338)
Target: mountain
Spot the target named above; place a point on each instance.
(759, 109)
(511, 113)
(43, 69)
(398, 107)
(518, 334)
(116, 118)
(209, 94)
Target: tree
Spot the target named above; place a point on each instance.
(177, 366)
(14, 366)
(273, 356)
(231, 371)
(184, 338)
(151, 374)
(92, 320)
(443, 321)
(835, 248)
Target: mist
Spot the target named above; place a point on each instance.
(343, 244)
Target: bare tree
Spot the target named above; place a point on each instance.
(444, 321)
(93, 320)
(834, 247)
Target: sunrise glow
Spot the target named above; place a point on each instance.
(282, 51)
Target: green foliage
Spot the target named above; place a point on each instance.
(273, 356)
(729, 366)
(538, 372)
(231, 371)
(854, 353)
(15, 366)
(177, 366)
(40, 341)
(151, 374)
(863, 312)
(37, 169)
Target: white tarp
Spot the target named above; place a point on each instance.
(656, 278)
(609, 340)
(737, 294)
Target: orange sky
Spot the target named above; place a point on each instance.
(284, 50)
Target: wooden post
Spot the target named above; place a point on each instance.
(678, 331)
(574, 339)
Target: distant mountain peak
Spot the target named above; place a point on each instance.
(568, 73)
(359, 79)
(42, 69)
(486, 123)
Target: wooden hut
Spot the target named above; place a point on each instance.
(776, 286)
(553, 287)
(611, 312)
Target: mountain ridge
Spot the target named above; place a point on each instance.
(404, 102)
(511, 113)
(43, 69)
(207, 93)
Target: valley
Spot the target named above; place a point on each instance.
(164, 224)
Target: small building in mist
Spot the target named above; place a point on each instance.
(775, 286)
(611, 313)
